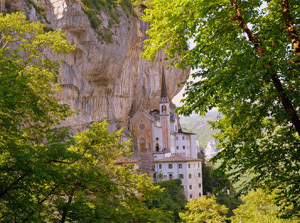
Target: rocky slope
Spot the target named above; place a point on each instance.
(104, 80)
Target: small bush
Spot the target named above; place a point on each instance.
(37, 7)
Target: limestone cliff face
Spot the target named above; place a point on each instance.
(104, 80)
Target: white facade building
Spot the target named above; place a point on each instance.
(188, 169)
(164, 149)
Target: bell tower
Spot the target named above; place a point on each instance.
(165, 113)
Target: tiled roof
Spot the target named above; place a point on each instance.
(177, 158)
(187, 133)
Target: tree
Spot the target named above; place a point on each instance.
(258, 208)
(204, 209)
(172, 198)
(218, 185)
(45, 173)
(96, 190)
(247, 53)
(30, 142)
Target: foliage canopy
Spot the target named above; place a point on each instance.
(247, 53)
(258, 208)
(171, 200)
(204, 209)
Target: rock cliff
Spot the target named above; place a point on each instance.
(104, 80)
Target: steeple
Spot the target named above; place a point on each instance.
(164, 113)
(164, 94)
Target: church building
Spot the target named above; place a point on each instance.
(165, 151)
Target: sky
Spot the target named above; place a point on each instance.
(179, 96)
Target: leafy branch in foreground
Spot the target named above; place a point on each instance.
(258, 208)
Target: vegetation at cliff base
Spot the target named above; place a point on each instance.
(94, 9)
(247, 56)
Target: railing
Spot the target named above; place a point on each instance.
(166, 150)
(178, 154)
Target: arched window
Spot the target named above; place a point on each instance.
(157, 147)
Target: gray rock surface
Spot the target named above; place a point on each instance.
(104, 80)
(211, 149)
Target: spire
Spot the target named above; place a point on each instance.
(163, 85)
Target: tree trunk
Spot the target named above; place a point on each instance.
(2, 5)
(285, 101)
(290, 27)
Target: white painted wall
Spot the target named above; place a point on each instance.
(166, 171)
(193, 146)
(157, 133)
(173, 124)
(192, 167)
(173, 143)
(180, 144)
(194, 181)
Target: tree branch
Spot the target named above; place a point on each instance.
(42, 201)
(64, 162)
(285, 101)
(65, 212)
(290, 27)
(2, 193)
(246, 29)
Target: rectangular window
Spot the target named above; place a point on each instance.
(190, 187)
(198, 164)
(180, 176)
(179, 165)
(183, 147)
(199, 175)
(199, 185)
(176, 137)
(177, 147)
(199, 194)
(170, 166)
(189, 165)
(182, 137)
(190, 175)
(191, 196)
(159, 166)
